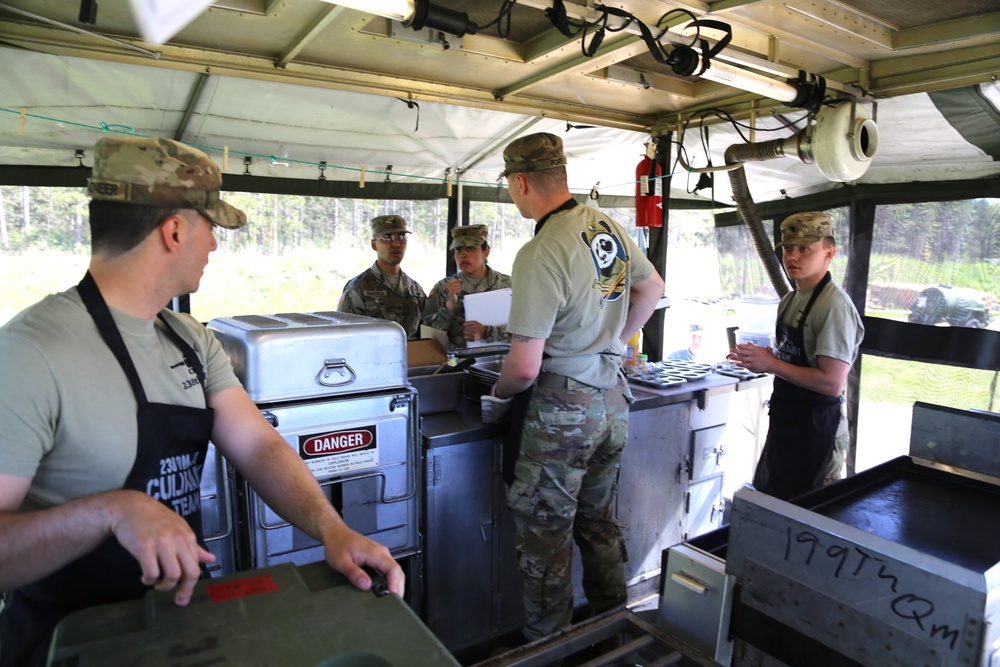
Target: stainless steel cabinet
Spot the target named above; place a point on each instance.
(670, 485)
(651, 487)
(473, 589)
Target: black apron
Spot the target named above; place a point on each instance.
(803, 423)
(170, 455)
(510, 447)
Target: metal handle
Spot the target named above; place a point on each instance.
(225, 515)
(401, 401)
(720, 453)
(412, 491)
(376, 473)
(689, 583)
(339, 366)
(718, 508)
(226, 512)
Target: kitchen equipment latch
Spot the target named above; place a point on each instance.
(400, 400)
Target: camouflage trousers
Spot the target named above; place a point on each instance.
(834, 468)
(564, 488)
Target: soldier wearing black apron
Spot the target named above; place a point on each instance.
(800, 438)
(816, 346)
(110, 573)
(66, 484)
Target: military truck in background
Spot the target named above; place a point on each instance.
(956, 306)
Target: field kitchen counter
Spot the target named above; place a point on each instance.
(670, 487)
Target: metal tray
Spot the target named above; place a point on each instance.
(913, 505)
(688, 375)
(685, 365)
(659, 381)
(738, 372)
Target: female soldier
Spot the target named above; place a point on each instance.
(445, 309)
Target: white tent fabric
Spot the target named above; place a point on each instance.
(68, 103)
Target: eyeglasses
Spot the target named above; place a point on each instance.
(391, 238)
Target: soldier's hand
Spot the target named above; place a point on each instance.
(473, 330)
(348, 551)
(162, 542)
(756, 358)
(454, 291)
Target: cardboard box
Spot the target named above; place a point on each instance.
(425, 353)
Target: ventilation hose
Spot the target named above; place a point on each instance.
(757, 152)
(841, 144)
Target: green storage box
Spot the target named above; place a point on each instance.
(279, 616)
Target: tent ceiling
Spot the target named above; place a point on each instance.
(294, 83)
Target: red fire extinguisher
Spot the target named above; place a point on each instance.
(648, 211)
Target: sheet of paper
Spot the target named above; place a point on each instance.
(489, 308)
(159, 20)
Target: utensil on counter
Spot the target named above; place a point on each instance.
(453, 365)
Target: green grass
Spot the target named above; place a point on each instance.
(901, 382)
(240, 284)
(29, 276)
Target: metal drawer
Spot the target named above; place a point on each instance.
(696, 601)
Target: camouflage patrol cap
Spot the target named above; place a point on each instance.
(388, 224)
(806, 228)
(534, 152)
(472, 236)
(160, 172)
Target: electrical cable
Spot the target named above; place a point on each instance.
(737, 125)
(560, 19)
(506, 9)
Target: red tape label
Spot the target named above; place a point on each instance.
(241, 588)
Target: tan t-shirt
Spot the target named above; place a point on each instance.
(833, 328)
(570, 286)
(68, 409)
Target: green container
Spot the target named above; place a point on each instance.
(284, 616)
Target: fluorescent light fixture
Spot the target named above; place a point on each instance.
(397, 10)
(749, 81)
(416, 14)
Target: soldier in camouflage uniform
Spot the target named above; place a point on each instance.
(818, 334)
(384, 291)
(581, 287)
(445, 308)
(108, 401)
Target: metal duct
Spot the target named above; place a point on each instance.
(842, 142)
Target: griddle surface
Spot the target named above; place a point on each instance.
(942, 515)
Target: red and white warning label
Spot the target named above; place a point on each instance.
(334, 452)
